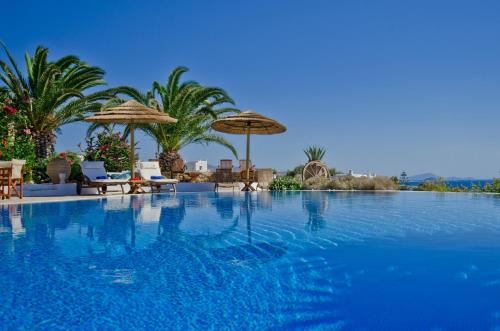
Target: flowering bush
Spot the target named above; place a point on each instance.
(21, 147)
(12, 120)
(110, 148)
(10, 110)
(15, 140)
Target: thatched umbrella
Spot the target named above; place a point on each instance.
(130, 113)
(248, 123)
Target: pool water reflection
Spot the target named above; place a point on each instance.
(310, 260)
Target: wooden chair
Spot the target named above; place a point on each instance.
(5, 181)
(224, 178)
(251, 173)
(226, 164)
(243, 165)
(16, 177)
(264, 177)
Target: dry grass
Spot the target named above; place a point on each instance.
(350, 183)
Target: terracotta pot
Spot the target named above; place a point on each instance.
(56, 167)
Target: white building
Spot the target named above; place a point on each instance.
(197, 166)
(368, 175)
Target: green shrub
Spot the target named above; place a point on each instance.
(492, 188)
(439, 185)
(350, 183)
(21, 147)
(297, 171)
(317, 184)
(284, 184)
(39, 172)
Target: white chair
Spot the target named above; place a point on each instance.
(150, 172)
(95, 175)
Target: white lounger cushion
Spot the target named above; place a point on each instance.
(152, 169)
(94, 169)
(111, 181)
(164, 181)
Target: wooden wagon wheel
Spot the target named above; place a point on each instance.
(315, 169)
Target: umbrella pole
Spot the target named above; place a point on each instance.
(247, 161)
(132, 153)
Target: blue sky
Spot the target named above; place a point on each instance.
(383, 85)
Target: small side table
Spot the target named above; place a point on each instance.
(136, 186)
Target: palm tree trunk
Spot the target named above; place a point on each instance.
(44, 144)
(169, 163)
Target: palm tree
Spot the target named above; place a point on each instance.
(315, 153)
(53, 93)
(194, 106)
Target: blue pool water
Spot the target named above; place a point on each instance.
(257, 261)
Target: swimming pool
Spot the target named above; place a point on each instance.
(209, 261)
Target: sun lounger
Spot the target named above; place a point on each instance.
(150, 172)
(95, 175)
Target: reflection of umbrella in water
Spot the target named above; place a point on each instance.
(316, 205)
(247, 209)
(130, 113)
(248, 123)
(252, 251)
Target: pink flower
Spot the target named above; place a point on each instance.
(10, 110)
(27, 131)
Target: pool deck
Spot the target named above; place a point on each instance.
(15, 200)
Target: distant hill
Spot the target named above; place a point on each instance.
(423, 177)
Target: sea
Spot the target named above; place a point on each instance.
(467, 183)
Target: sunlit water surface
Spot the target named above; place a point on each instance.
(353, 261)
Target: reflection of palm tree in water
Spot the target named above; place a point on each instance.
(42, 228)
(171, 218)
(118, 225)
(116, 229)
(173, 215)
(316, 205)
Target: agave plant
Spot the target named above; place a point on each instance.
(315, 153)
(194, 106)
(53, 93)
